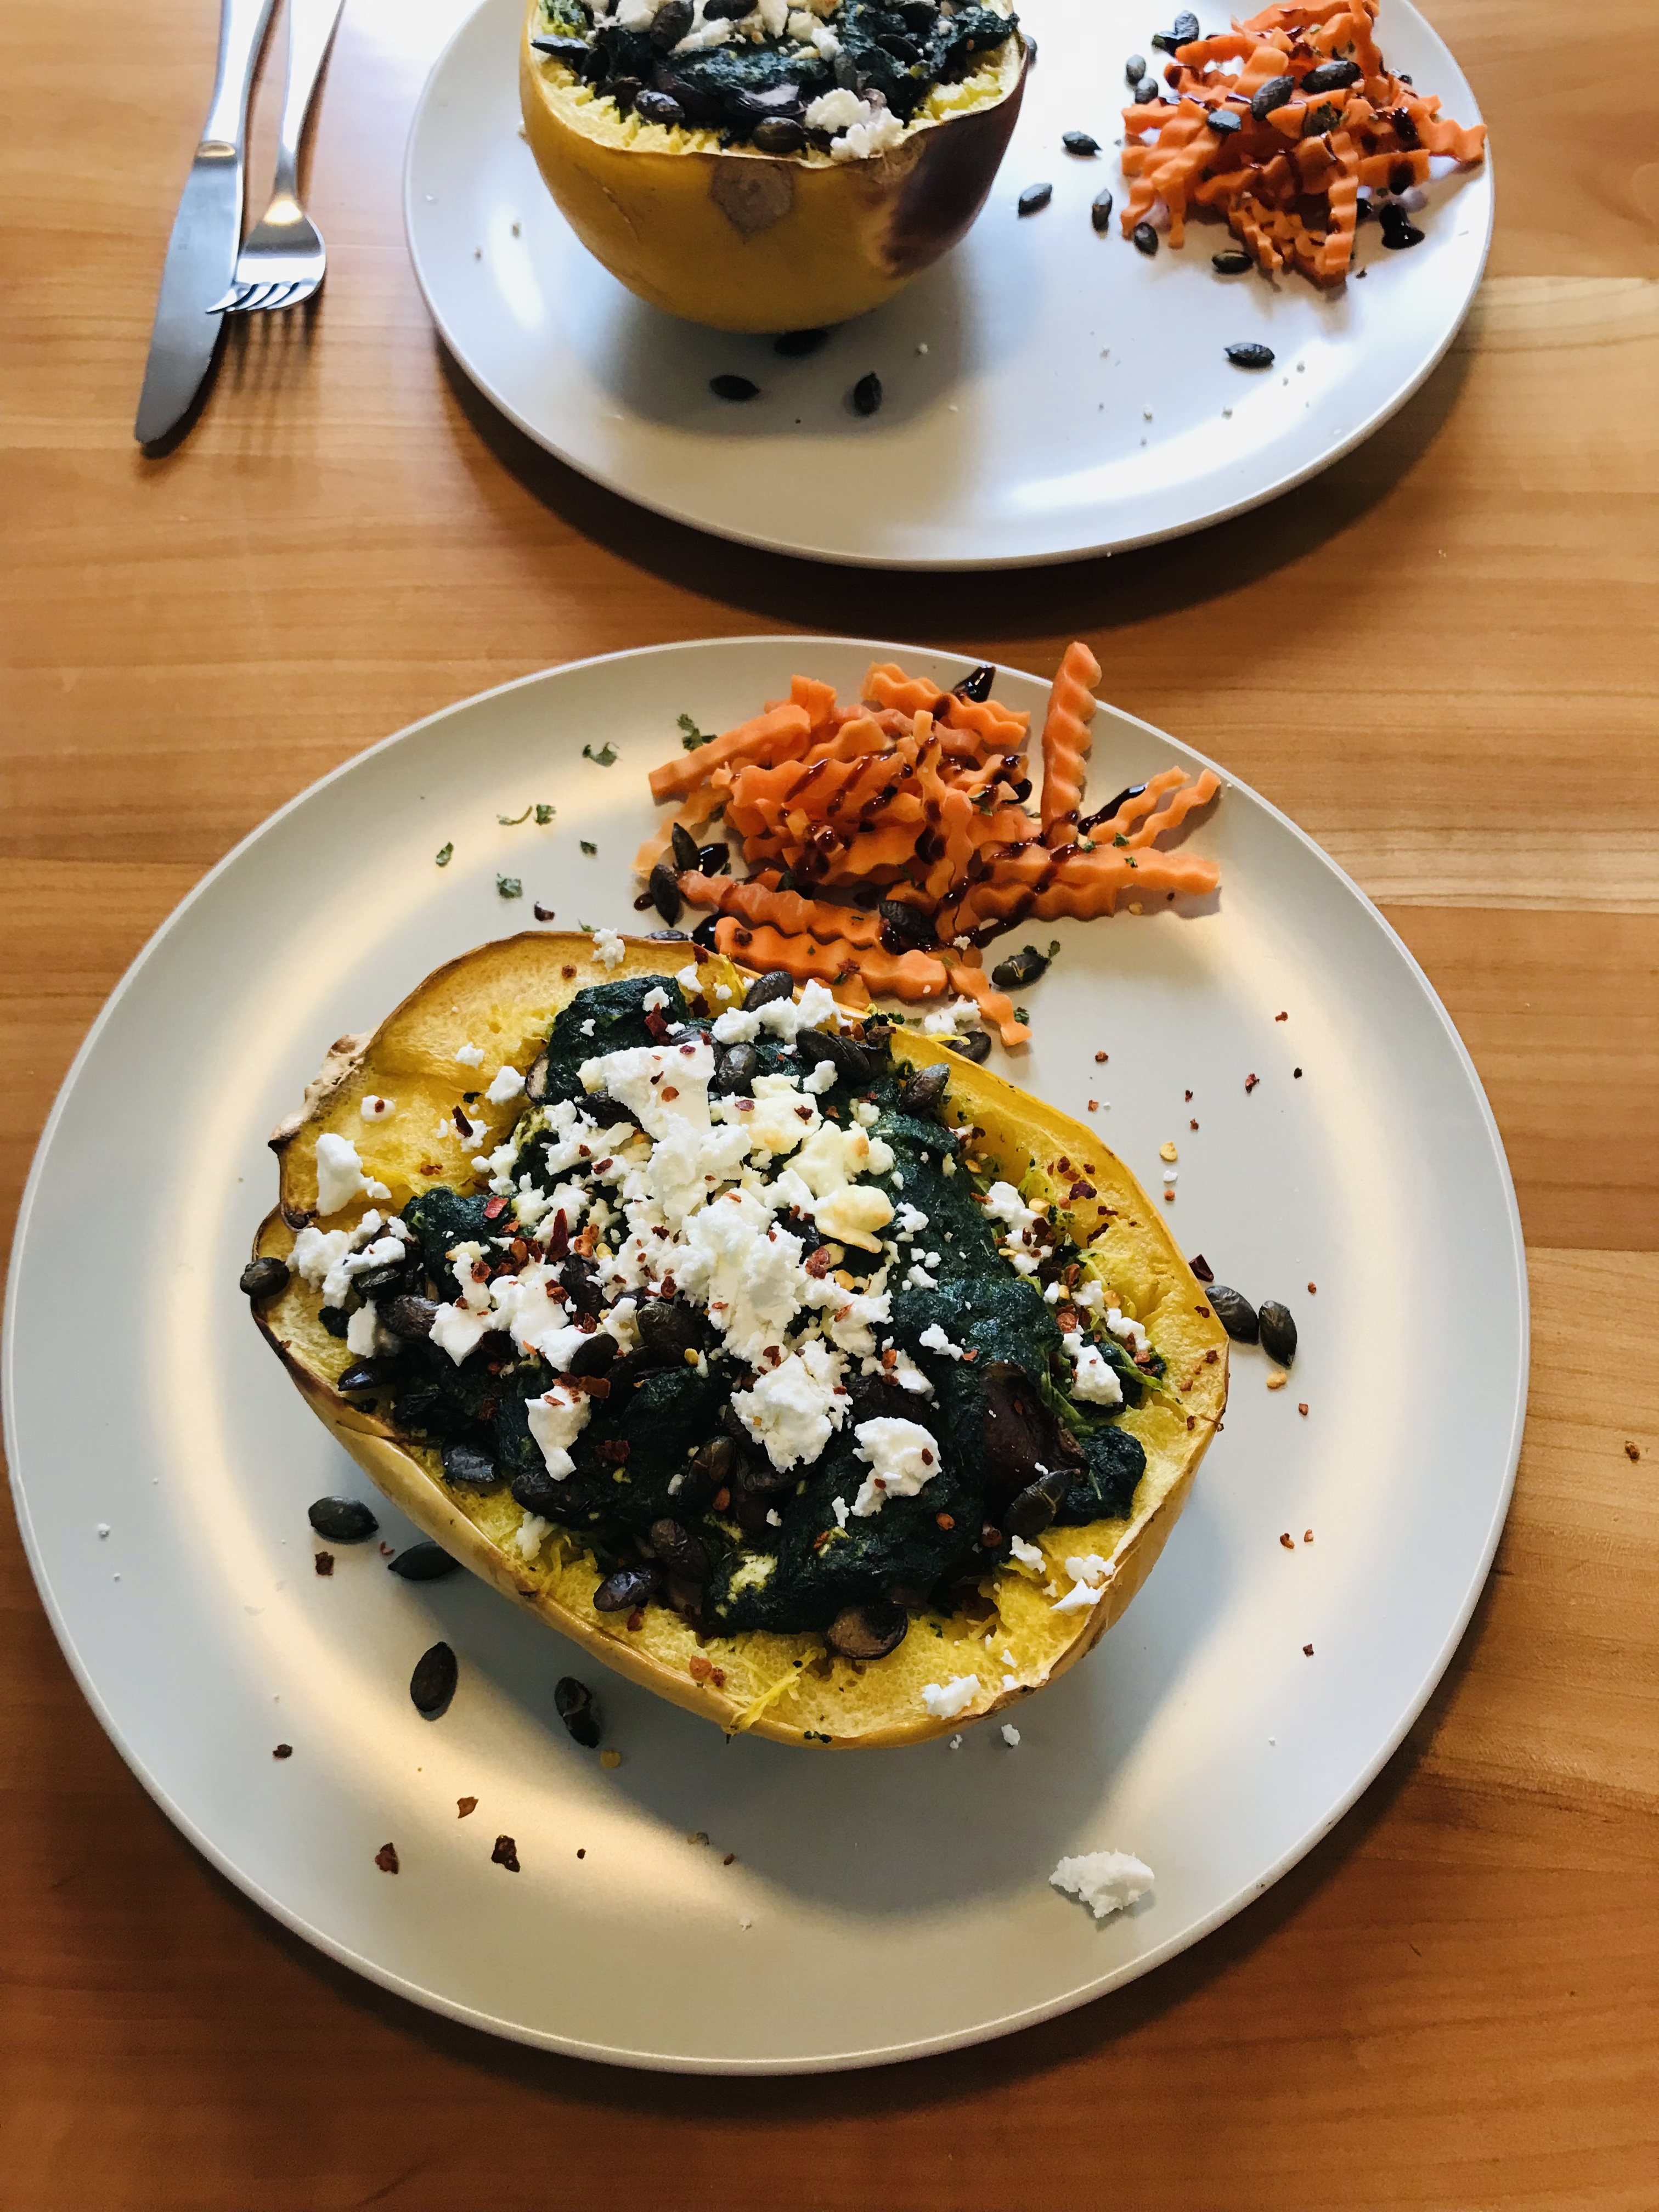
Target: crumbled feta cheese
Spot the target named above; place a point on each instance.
(687, 979)
(838, 1507)
(821, 1079)
(918, 1279)
(656, 998)
(1105, 1882)
(793, 1408)
(661, 1082)
(374, 1108)
(609, 949)
(469, 1055)
(902, 1456)
(747, 1272)
(556, 1420)
(508, 1083)
(1096, 1382)
(864, 141)
(1027, 1554)
(587, 1027)
(340, 1176)
(736, 1027)
(1004, 1203)
(366, 1337)
(1088, 1574)
(911, 1220)
(933, 1338)
(458, 1330)
(530, 1534)
(945, 1021)
(945, 1700)
(1011, 1735)
(715, 33)
(1126, 1331)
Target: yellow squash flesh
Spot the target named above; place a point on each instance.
(503, 997)
(743, 241)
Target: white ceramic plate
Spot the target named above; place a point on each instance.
(1049, 393)
(880, 1905)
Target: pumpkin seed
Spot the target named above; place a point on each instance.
(363, 1375)
(263, 1278)
(733, 388)
(1145, 238)
(913, 924)
(1019, 969)
(1224, 121)
(1147, 92)
(867, 394)
(776, 984)
(1274, 94)
(1100, 210)
(1135, 69)
(868, 1632)
(777, 134)
(1250, 355)
(573, 1701)
(651, 106)
(628, 1588)
(411, 1317)
(1079, 142)
(1329, 77)
(684, 845)
(975, 1046)
(1035, 198)
(1184, 29)
(470, 1466)
(1278, 1331)
(423, 1563)
(341, 1520)
(714, 860)
(1235, 1313)
(1231, 262)
(976, 683)
(432, 1685)
(665, 893)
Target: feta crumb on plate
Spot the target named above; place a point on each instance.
(1106, 1881)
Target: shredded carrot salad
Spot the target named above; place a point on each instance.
(889, 840)
(1287, 171)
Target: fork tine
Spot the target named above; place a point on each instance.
(259, 296)
(298, 294)
(232, 302)
(277, 296)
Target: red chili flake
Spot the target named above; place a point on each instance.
(1100, 1060)
(614, 1448)
(1201, 1267)
(655, 1024)
(430, 1168)
(494, 1208)
(567, 973)
(1203, 1312)
(1168, 1198)
(946, 1521)
(464, 1806)
(1307, 1651)
(1297, 1072)
(698, 1667)
(1633, 1450)
(1192, 1421)
(1288, 1541)
(582, 1853)
(636, 1620)
(1192, 1125)
(1313, 1290)
(723, 1498)
(718, 1677)
(803, 1113)
(1281, 1017)
(1094, 1105)
(543, 913)
(386, 1858)
(506, 1854)
(1080, 1190)
(1250, 1082)
(687, 1049)
(385, 1550)
(558, 1245)
(729, 1858)
(462, 1123)
(1302, 1409)
(283, 1751)
(970, 1355)
(324, 1563)
(669, 1091)
(744, 936)
(1307, 1535)
(990, 1537)
(1211, 1356)
(1189, 1097)
(817, 1264)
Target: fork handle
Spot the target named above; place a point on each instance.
(311, 25)
(241, 32)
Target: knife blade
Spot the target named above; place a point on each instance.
(207, 232)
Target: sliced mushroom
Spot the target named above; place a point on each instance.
(868, 1632)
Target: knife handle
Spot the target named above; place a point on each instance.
(241, 33)
(311, 25)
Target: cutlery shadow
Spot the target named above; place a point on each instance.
(1109, 591)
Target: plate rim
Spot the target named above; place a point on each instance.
(917, 564)
(983, 2031)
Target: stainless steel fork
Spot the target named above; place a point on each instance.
(282, 260)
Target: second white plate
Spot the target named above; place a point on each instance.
(1048, 393)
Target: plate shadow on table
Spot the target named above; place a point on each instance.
(868, 2094)
(1113, 592)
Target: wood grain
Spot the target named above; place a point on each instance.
(1440, 657)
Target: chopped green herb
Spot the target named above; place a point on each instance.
(694, 737)
(512, 821)
(605, 756)
(586, 846)
(1119, 838)
(585, 927)
(1132, 862)
(445, 854)
(1054, 946)
(1022, 1014)
(509, 886)
(544, 815)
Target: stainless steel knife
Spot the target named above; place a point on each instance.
(206, 232)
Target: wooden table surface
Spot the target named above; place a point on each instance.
(1439, 657)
